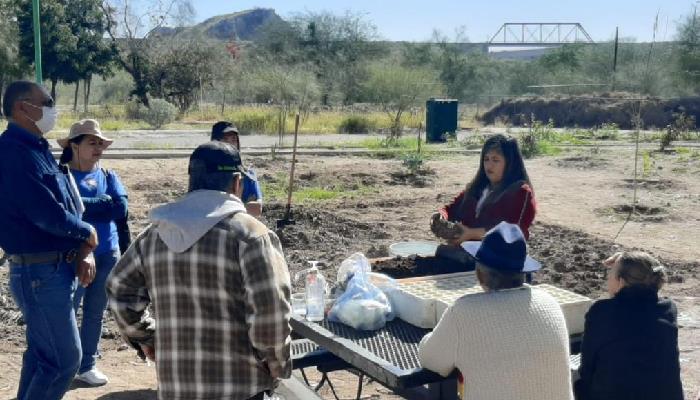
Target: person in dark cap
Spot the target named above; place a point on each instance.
(509, 342)
(219, 286)
(47, 243)
(224, 131)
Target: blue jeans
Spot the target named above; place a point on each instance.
(44, 294)
(94, 299)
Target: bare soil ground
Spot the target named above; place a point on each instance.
(583, 201)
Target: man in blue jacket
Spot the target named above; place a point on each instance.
(47, 244)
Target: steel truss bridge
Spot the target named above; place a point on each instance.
(539, 34)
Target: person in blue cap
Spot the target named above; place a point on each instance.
(224, 131)
(509, 342)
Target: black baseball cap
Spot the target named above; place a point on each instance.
(218, 157)
(222, 127)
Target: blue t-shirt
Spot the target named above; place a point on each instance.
(251, 187)
(92, 185)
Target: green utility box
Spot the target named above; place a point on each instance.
(440, 118)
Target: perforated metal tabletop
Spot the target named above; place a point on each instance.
(389, 355)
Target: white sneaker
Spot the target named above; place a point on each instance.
(93, 377)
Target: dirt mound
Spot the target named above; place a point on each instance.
(593, 111)
(641, 212)
(421, 178)
(573, 259)
(570, 259)
(581, 162)
(323, 236)
(652, 184)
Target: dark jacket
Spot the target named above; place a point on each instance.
(38, 211)
(630, 349)
(516, 205)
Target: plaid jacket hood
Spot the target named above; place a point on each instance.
(182, 223)
(221, 328)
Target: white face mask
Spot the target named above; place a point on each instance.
(49, 116)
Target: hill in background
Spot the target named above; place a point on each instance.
(239, 26)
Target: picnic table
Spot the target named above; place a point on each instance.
(388, 355)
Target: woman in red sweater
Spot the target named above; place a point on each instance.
(500, 191)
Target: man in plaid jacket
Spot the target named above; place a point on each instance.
(218, 284)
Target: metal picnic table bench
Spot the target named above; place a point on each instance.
(388, 355)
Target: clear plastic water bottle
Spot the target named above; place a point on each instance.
(315, 294)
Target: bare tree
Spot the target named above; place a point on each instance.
(290, 88)
(398, 88)
(134, 29)
(181, 67)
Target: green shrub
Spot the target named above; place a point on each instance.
(263, 121)
(609, 131)
(413, 162)
(160, 113)
(540, 139)
(133, 109)
(474, 140)
(356, 124)
(678, 129)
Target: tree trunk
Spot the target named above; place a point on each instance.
(281, 123)
(87, 84)
(396, 126)
(223, 103)
(75, 96)
(2, 90)
(144, 100)
(53, 88)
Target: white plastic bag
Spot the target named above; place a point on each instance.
(363, 305)
(356, 263)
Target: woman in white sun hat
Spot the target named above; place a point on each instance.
(105, 201)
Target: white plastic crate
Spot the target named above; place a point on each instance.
(422, 301)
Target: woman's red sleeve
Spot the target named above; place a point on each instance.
(449, 211)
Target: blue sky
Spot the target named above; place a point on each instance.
(415, 19)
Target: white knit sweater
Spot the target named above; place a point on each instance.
(509, 345)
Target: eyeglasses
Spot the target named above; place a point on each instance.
(47, 102)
